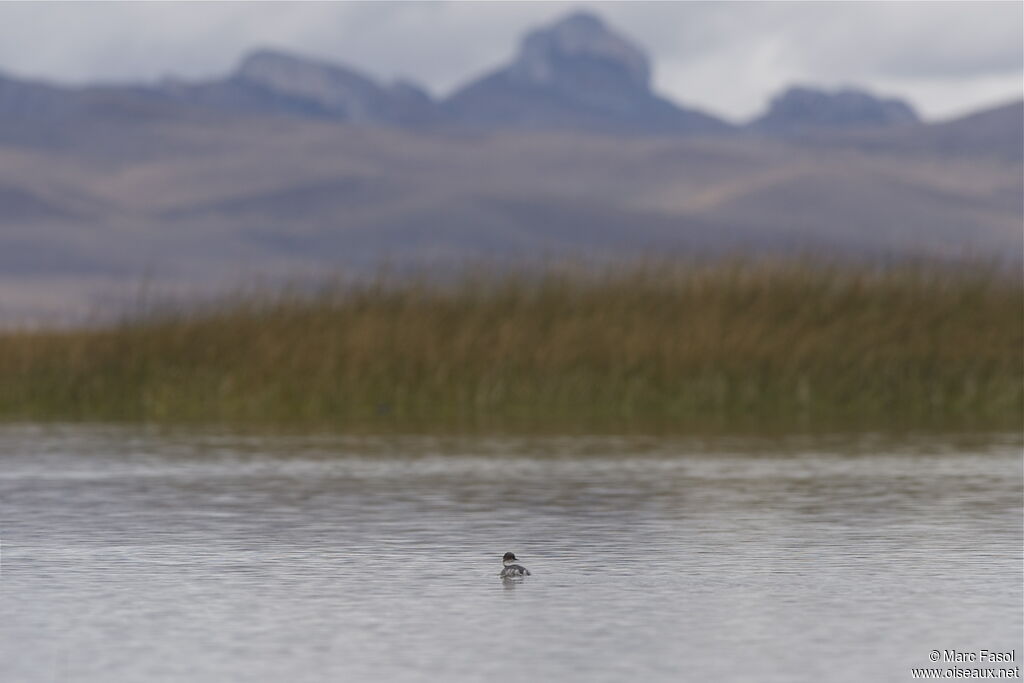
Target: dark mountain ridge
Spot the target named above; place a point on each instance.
(803, 108)
(275, 82)
(576, 74)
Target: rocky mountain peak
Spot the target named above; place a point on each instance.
(261, 63)
(282, 71)
(804, 107)
(575, 74)
(332, 88)
(576, 40)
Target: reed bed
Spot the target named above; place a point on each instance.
(739, 343)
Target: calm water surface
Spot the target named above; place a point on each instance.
(140, 555)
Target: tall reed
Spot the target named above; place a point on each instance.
(727, 343)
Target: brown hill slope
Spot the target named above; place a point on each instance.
(204, 201)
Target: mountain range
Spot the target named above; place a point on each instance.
(574, 75)
(292, 166)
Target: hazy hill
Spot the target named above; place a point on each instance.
(575, 74)
(801, 109)
(200, 202)
(289, 167)
(996, 133)
(273, 82)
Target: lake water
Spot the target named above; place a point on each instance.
(147, 555)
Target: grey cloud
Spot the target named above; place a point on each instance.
(914, 40)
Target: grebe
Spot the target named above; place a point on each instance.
(512, 570)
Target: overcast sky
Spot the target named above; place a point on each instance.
(726, 57)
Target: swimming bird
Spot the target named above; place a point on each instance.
(512, 570)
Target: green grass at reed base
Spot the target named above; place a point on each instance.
(748, 344)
